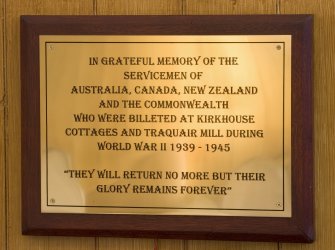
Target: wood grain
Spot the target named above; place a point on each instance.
(230, 245)
(171, 244)
(139, 7)
(324, 116)
(231, 7)
(124, 244)
(13, 10)
(3, 219)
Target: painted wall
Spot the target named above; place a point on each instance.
(324, 105)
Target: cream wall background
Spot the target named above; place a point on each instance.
(324, 116)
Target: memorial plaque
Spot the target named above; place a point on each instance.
(159, 131)
(195, 125)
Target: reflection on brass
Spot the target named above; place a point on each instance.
(186, 125)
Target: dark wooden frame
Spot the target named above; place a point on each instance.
(298, 228)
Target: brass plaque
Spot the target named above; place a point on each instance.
(167, 125)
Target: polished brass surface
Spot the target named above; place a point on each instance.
(190, 125)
